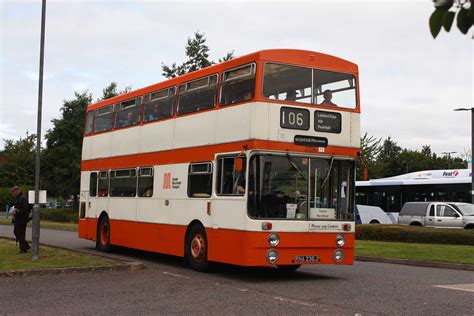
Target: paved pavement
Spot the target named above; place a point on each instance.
(165, 287)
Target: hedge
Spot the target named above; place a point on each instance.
(62, 215)
(415, 234)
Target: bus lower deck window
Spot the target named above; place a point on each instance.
(200, 180)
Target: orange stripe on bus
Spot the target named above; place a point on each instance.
(205, 153)
(246, 248)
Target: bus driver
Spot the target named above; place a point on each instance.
(328, 98)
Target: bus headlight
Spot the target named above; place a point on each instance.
(340, 240)
(272, 256)
(338, 255)
(273, 240)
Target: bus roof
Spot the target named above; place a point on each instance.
(447, 176)
(287, 56)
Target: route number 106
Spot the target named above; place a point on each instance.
(294, 118)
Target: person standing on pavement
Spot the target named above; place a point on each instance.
(22, 213)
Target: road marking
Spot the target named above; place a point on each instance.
(293, 301)
(458, 287)
(176, 275)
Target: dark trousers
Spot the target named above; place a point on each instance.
(20, 234)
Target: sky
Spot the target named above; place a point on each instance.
(409, 82)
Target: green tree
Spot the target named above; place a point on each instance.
(18, 164)
(370, 149)
(389, 159)
(446, 11)
(197, 53)
(61, 159)
(112, 91)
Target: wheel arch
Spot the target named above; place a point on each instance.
(192, 224)
(99, 219)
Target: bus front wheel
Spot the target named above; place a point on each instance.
(103, 235)
(196, 248)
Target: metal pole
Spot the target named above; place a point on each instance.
(472, 154)
(36, 207)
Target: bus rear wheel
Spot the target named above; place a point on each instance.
(289, 267)
(103, 235)
(196, 248)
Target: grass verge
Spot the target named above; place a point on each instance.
(425, 252)
(11, 260)
(46, 224)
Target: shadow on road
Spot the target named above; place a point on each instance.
(245, 274)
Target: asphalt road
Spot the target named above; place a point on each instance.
(166, 287)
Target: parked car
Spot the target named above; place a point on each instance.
(437, 214)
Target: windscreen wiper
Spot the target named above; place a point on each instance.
(328, 173)
(295, 166)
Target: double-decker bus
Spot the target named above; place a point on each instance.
(249, 162)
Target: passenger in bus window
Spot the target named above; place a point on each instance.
(127, 121)
(291, 95)
(154, 114)
(248, 96)
(328, 98)
(245, 96)
(148, 192)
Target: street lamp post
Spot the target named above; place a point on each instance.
(472, 148)
(449, 156)
(35, 233)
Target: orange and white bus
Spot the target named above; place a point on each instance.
(248, 162)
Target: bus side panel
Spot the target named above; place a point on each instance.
(87, 228)
(162, 238)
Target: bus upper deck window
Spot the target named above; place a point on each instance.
(287, 83)
(89, 122)
(238, 85)
(159, 105)
(334, 89)
(103, 119)
(197, 95)
(128, 113)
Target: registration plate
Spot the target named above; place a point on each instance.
(306, 259)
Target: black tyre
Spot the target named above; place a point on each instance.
(289, 267)
(374, 221)
(195, 248)
(103, 235)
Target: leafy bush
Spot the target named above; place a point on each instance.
(5, 198)
(62, 215)
(414, 234)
